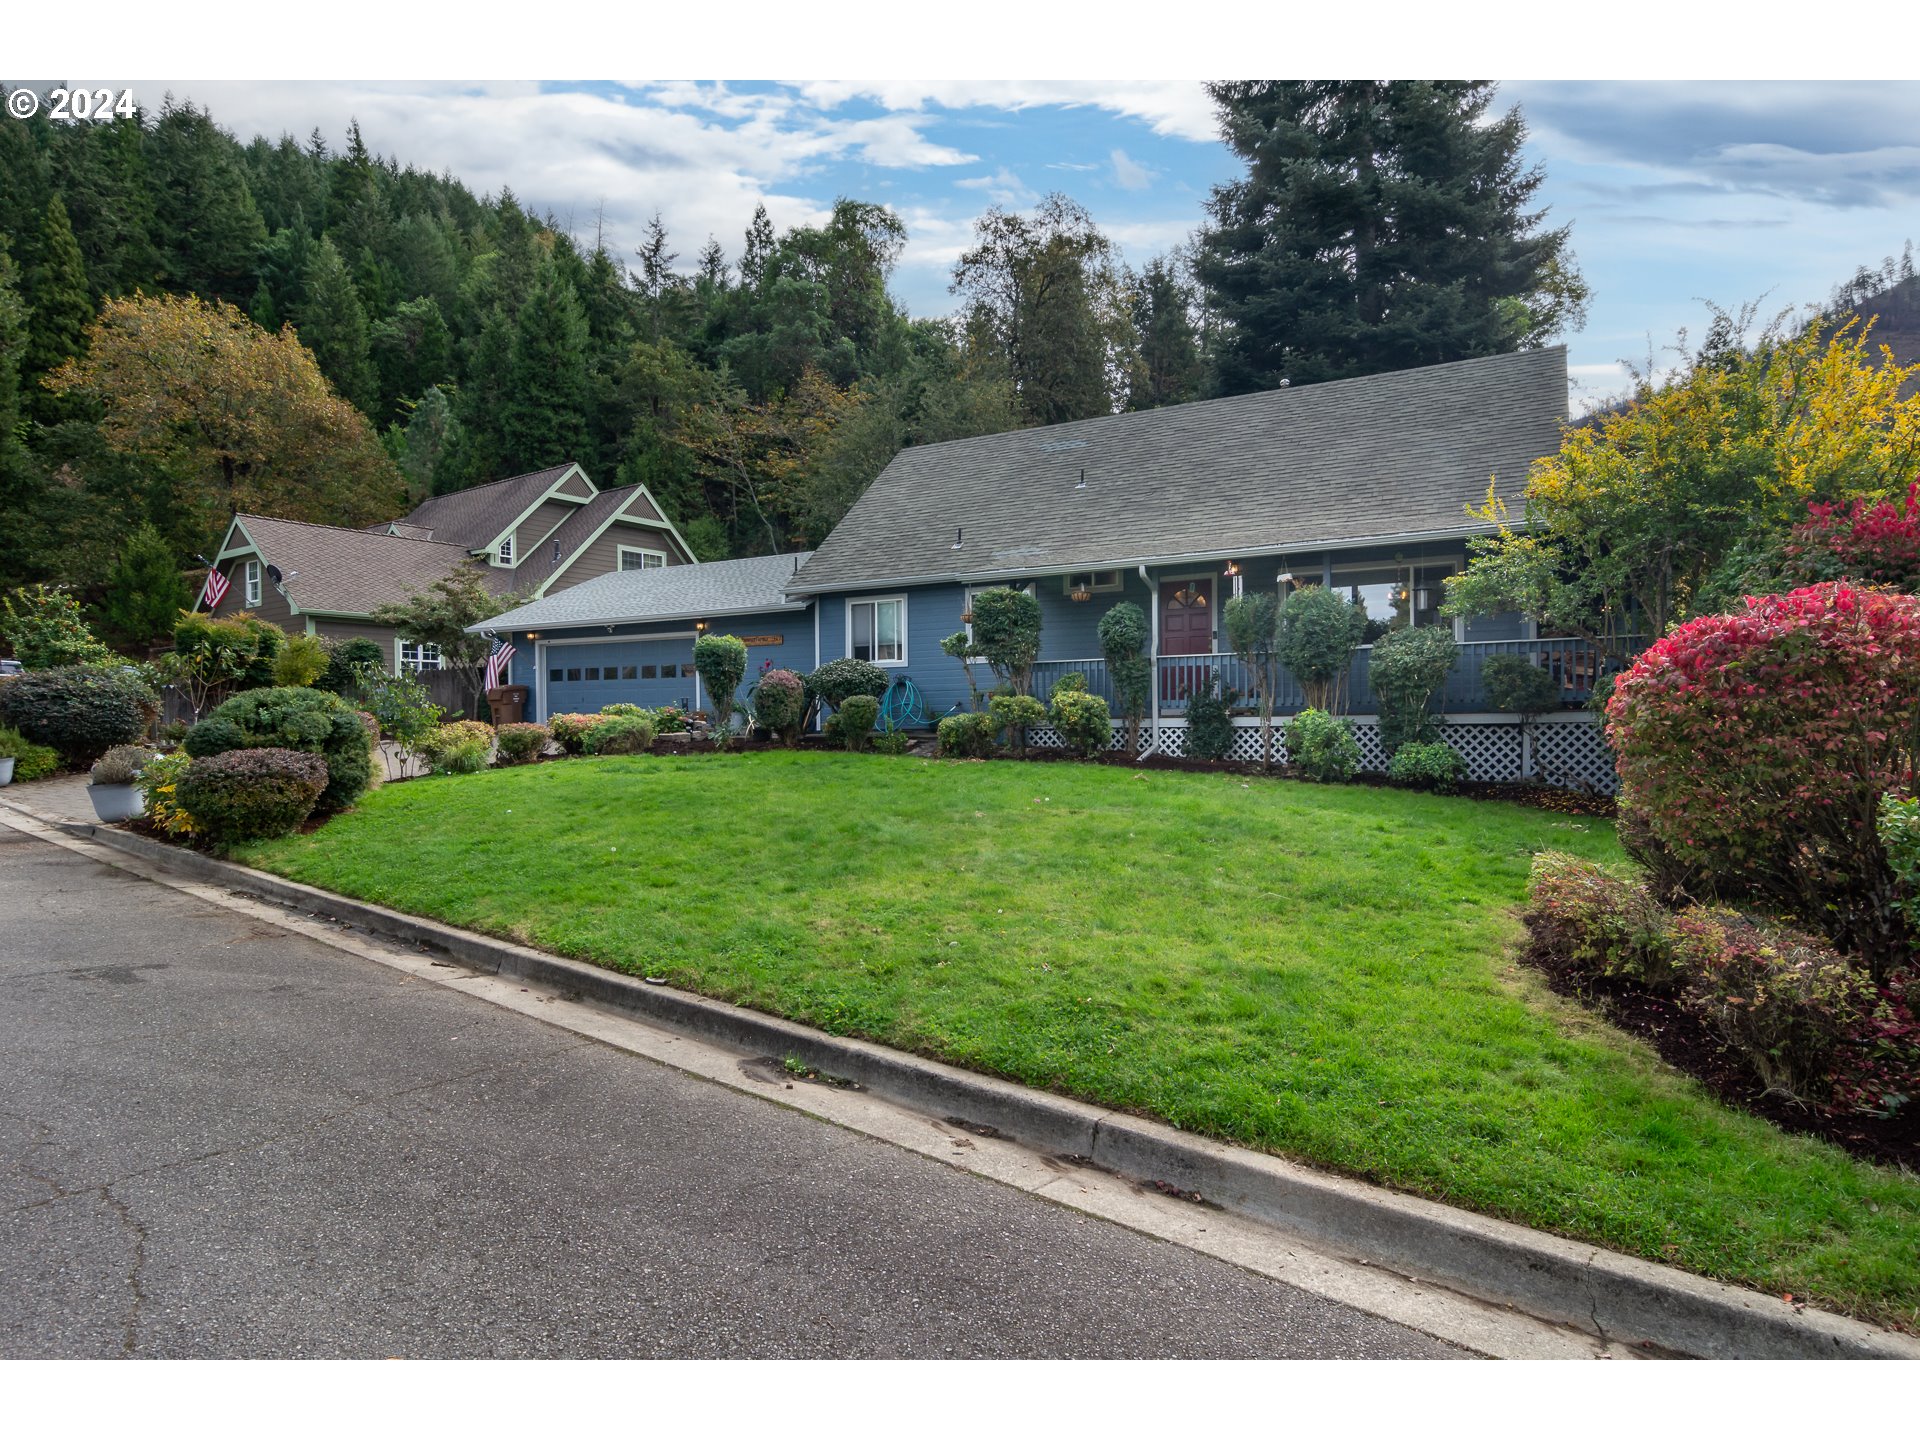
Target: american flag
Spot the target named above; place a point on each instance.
(497, 659)
(217, 587)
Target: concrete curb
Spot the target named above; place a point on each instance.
(1614, 1297)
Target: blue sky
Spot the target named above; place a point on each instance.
(1676, 191)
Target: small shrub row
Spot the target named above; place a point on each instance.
(618, 735)
(315, 722)
(521, 744)
(251, 794)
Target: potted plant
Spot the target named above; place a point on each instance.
(111, 784)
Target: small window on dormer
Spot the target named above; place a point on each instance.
(506, 551)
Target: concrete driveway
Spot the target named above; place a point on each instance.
(223, 1139)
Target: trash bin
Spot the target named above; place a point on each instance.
(508, 703)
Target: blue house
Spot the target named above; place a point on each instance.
(1360, 485)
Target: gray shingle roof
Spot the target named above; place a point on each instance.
(353, 572)
(1382, 457)
(474, 516)
(674, 592)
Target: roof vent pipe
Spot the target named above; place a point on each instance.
(1083, 479)
(958, 536)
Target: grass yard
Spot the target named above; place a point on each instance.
(1325, 973)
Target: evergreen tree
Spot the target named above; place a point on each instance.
(713, 264)
(413, 352)
(432, 442)
(24, 498)
(145, 591)
(759, 246)
(545, 417)
(1167, 368)
(56, 289)
(106, 192)
(1380, 225)
(482, 405)
(206, 223)
(333, 326)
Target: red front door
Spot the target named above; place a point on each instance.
(1186, 628)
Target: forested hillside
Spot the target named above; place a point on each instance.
(168, 290)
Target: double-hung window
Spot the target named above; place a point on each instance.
(253, 582)
(418, 655)
(877, 630)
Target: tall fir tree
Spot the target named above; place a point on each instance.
(56, 289)
(1166, 368)
(145, 591)
(1380, 225)
(206, 222)
(333, 326)
(544, 422)
(758, 248)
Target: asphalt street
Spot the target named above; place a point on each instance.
(222, 1139)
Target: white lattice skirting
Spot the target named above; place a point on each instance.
(1568, 751)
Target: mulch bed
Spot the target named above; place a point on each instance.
(1684, 1043)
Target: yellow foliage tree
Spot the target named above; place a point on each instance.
(1670, 506)
(240, 418)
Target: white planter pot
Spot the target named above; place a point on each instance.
(6, 769)
(116, 802)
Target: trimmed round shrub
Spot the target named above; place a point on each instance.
(619, 735)
(521, 744)
(1321, 747)
(780, 703)
(30, 761)
(1428, 765)
(568, 730)
(1210, 723)
(1784, 1000)
(120, 766)
(857, 716)
(1516, 685)
(1406, 668)
(252, 794)
(721, 662)
(1083, 720)
(1599, 921)
(1014, 714)
(836, 680)
(1757, 748)
(1318, 630)
(313, 721)
(81, 711)
(968, 736)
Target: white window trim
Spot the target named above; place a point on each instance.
(622, 551)
(966, 607)
(252, 583)
(1094, 584)
(876, 601)
(400, 645)
(505, 556)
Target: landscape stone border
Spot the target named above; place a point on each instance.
(1615, 1297)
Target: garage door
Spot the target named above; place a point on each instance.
(584, 678)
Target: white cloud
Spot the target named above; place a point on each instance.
(1003, 187)
(1130, 174)
(1171, 107)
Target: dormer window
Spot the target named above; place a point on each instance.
(253, 583)
(506, 551)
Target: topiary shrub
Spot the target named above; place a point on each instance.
(1517, 686)
(967, 736)
(1123, 641)
(1428, 765)
(836, 680)
(780, 704)
(81, 711)
(569, 730)
(857, 716)
(120, 766)
(1014, 714)
(1784, 1000)
(1315, 641)
(30, 761)
(619, 735)
(521, 744)
(251, 794)
(1082, 720)
(313, 721)
(1757, 747)
(1322, 748)
(1599, 921)
(1406, 668)
(721, 661)
(344, 659)
(442, 740)
(159, 784)
(302, 660)
(1006, 634)
(1210, 723)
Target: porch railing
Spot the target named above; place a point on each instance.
(1576, 663)
(1047, 673)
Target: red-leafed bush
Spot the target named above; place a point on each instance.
(1875, 544)
(1599, 921)
(1756, 747)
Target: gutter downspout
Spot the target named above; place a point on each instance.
(1153, 662)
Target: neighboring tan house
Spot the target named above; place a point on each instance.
(532, 534)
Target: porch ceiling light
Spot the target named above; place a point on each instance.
(1233, 567)
(1079, 592)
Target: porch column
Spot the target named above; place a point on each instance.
(1153, 651)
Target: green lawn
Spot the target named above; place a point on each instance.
(1326, 973)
